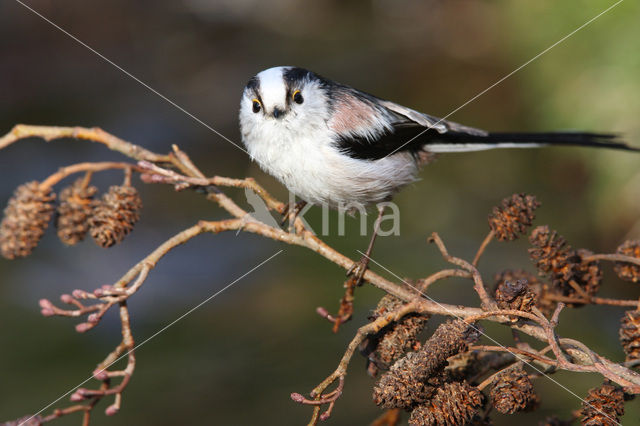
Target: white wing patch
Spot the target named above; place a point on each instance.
(428, 121)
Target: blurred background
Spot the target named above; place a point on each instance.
(235, 360)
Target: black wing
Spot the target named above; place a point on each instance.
(413, 131)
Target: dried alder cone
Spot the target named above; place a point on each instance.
(513, 391)
(406, 382)
(114, 215)
(552, 254)
(393, 341)
(74, 211)
(628, 271)
(25, 219)
(453, 404)
(514, 293)
(603, 406)
(630, 334)
(570, 275)
(535, 289)
(400, 388)
(513, 217)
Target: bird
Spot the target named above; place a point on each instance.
(333, 145)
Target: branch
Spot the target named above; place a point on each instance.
(177, 169)
(487, 302)
(49, 133)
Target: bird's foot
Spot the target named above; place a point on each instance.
(291, 211)
(357, 270)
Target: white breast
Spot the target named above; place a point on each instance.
(308, 164)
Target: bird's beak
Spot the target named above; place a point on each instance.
(277, 112)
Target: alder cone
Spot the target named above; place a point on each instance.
(516, 294)
(76, 206)
(628, 271)
(114, 216)
(552, 255)
(566, 267)
(513, 391)
(405, 383)
(630, 334)
(393, 341)
(453, 404)
(25, 219)
(513, 217)
(603, 406)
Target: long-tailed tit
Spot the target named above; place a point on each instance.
(329, 143)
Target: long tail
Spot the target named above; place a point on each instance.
(462, 142)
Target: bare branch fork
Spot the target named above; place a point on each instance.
(176, 169)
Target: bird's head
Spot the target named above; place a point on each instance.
(287, 100)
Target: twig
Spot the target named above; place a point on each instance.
(495, 375)
(549, 327)
(49, 133)
(592, 300)
(339, 373)
(614, 257)
(424, 283)
(528, 354)
(84, 167)
(487, 302)
(483, 247)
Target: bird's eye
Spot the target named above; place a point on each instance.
(256, 106)
(297, 97)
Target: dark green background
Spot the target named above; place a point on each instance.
(235, 360)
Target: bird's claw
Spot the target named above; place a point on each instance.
(357, 271)
(291, 211)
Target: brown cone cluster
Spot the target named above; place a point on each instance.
(629, 271)
(114, 215)
(564, 266)
(630, 334)
(392, 342)
(405, 383)
(603, 406)
(25, 219)
(74, 211)
(513, 217)
(513, 391)
(453, 404)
